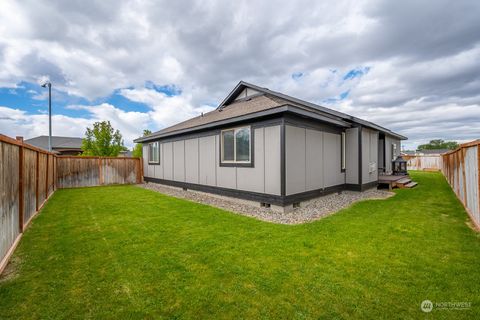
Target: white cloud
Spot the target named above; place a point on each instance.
(15, 122)
(424, 57)
(165, 110)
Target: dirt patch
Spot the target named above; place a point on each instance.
(11, 270)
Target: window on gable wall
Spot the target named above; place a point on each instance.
(236, 145)
(154, 152)
(394, 151)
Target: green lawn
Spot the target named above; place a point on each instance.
(124, 252)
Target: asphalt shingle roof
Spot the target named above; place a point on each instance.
(57, 142)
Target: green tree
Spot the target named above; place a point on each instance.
(438, 144)
(138, 150)
(102, 140)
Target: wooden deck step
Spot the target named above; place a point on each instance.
(411, 184)
(403, 180)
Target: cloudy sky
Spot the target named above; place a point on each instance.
(412, 66)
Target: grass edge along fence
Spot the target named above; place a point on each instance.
(461, 168)
(30, 175)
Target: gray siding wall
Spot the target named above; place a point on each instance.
(191, 161)
(313, 159)
(207, 161)
(167, 157)
(388, 152)
(369, 155)
(197, 160)
(351, 146)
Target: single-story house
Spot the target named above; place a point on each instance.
(268, 147)
(60, 145)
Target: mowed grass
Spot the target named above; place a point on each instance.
(124, 252)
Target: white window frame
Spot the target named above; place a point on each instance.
(150, 160)
(394, 151)
(234, 161)
(344, 149)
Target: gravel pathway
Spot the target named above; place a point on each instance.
(309, 211)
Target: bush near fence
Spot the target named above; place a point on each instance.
(29, 176)
(461, 168)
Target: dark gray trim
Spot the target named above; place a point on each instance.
(343, 145)
(251, 117)
(283, 167)
(301, 122)
(148, 155)
(260, 123)
(314, 115)
(252, 196)
(360, 155)
(299, 197)
(246, 98)
(248, 117)
(369, 185)
(384, 154)
(339, 115)
(251, 164)
(360, 187)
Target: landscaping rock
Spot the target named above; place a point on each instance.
(308, 211)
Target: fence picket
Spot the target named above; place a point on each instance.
(22, 167)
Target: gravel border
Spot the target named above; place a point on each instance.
(309, 211)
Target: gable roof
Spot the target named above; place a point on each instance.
(262, 101)
(57, 142)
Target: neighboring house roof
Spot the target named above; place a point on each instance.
(63, 143)
(261, 102)
(126, 153)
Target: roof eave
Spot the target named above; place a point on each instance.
(250, 116)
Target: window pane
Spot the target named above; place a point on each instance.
(242, 137)
(150, 152)
(153, 154)
(227, 147)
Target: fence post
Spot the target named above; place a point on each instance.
(20, 185)
(462, 155)
(100, 171)
(46, 179)
(478, 175)
(36, 180)
(54, 158)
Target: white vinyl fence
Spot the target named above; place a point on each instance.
(424, 162)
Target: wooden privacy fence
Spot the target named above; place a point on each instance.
(461, 168)
(29, 176)
(424, 162)
(73, 172)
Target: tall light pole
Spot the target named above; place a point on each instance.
(49, 84)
